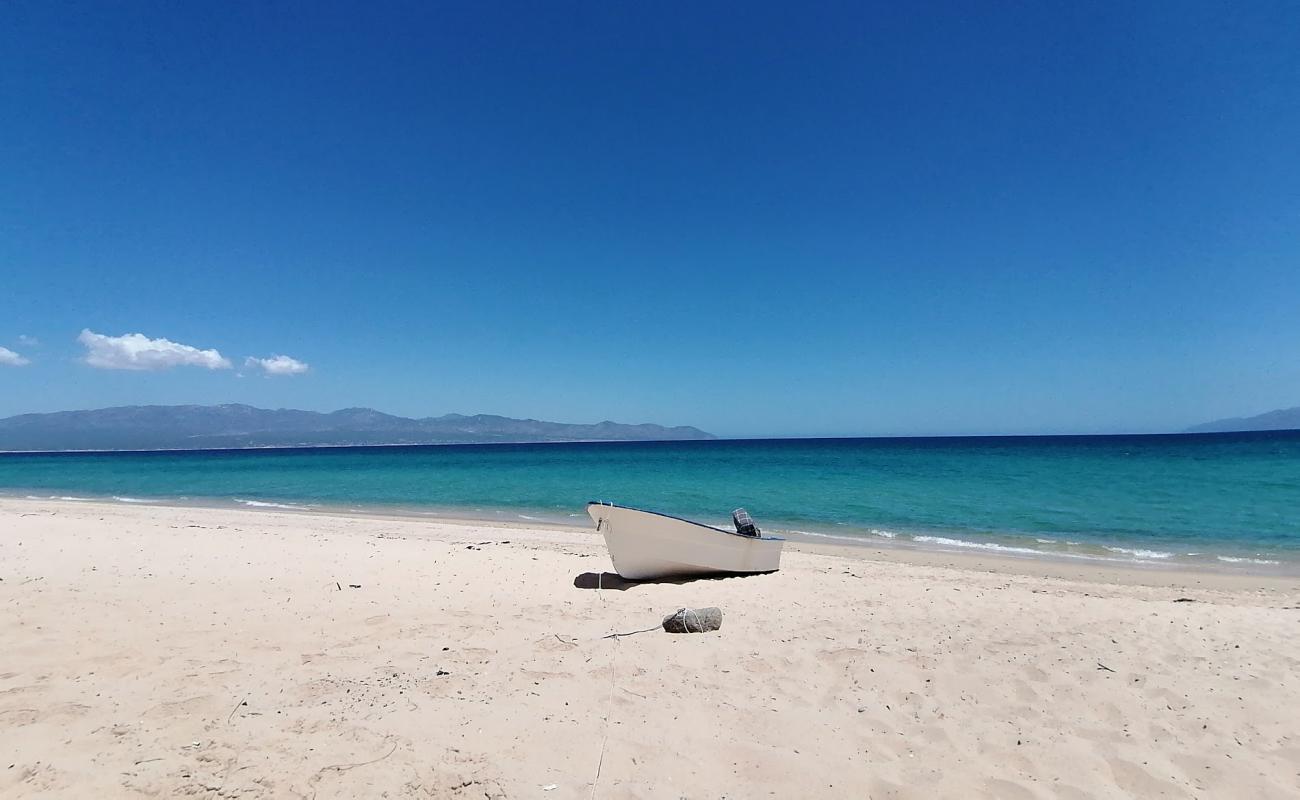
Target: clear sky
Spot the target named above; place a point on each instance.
(795, 219)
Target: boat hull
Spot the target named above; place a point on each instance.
(644, 545)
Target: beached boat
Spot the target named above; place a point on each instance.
(645, 545)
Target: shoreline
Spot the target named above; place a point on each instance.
(1225, 507)
(1148, 573)
(1227, 556)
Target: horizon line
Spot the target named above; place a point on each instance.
(715, 439)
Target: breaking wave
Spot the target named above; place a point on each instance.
(1242, 560)
(1140, 552)
(991, 546)
(266, 504)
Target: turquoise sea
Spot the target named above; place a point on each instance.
(1231, 500)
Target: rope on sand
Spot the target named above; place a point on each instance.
(687, 614)
(609, 706)
(630, 633)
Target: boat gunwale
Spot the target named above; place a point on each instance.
(760, 537)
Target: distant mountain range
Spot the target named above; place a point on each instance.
(1283, 419)
(239, 426)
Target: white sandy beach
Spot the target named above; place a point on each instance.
(159, 651)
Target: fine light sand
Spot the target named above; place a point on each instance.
(201, 652)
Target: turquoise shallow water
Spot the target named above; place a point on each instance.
(1230, 499)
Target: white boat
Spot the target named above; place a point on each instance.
(645, 545)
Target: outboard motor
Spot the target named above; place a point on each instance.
(744, 523)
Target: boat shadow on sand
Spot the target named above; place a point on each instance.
(617, 583)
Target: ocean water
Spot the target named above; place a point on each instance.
(1232, 500)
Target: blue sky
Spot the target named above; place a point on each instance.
(802, 219)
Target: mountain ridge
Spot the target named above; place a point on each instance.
(236, 426)
(1279, 419)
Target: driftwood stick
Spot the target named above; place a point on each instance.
(236, 708)
(346, 767)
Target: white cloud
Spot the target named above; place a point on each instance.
(9, 358)
(277, 365)
(28, 341)
(136, 351)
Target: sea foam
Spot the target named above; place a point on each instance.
(884, 534)
(1241, 560)
(992, 546)
(1140, 552)
(265, 504)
